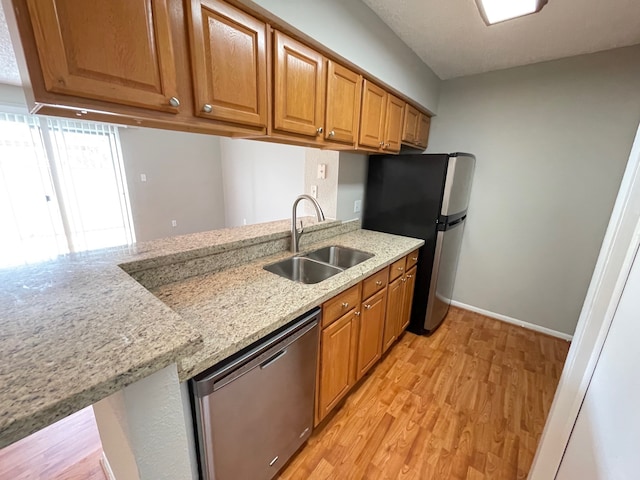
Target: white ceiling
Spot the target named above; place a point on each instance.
(450, 36)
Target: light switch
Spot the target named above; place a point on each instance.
(174, 223)
(357, 206)
(143, 177)
(322, 171)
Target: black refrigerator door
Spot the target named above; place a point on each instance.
(404, 196)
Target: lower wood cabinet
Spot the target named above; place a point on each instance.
(358, 326)
(336, 376)
(372, 312)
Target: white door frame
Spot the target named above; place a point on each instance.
(611, 271)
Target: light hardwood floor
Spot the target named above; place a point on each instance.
(469, 402)
(67, 450)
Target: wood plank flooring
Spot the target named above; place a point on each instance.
(469, 402)
(67, 450)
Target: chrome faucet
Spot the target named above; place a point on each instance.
(295, 233)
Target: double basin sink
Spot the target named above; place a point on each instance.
(318, 265)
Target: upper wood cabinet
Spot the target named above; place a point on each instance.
(410, 126)
(119, 51)
(344, 90)
(372, 118)
(298, 92)
(393, 124)
(381, 119)
(422, 137)
(229, 62)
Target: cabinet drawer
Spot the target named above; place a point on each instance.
(375, 283)
(397, 269)
(412, 259)
(339, 305)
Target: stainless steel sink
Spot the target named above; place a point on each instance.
(341, 257)
(303, 270)
(318, 265)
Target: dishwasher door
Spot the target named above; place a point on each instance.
(253, 414)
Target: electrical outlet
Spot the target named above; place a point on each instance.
(322, 171)
(357, 206)
(143, 177)
(174, 223)
(314, 191)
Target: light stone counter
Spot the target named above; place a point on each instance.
(234, 308)
(78, 329)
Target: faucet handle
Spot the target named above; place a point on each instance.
(301, 230)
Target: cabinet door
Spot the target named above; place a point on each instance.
(372, 118)
(407, 298)
(337, 344)
(298, 75)
(410, 127)
(395, 293)
(344, 89)
(229, 59)
(393, 124)
(118, 51)
(370, 335)
(423, 130)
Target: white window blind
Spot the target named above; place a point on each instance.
(62, 188)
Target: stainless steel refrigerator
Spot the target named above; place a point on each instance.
(423, 196)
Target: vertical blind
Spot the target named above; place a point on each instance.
(62, 188)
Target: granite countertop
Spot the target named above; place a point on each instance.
(77, 329)
(234, 308)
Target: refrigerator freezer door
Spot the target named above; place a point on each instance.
(443, 276)
(457, 186)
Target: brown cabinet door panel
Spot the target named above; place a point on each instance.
(423, 130)
(118, 51)
(407, 298)
(393, 124)
(370, 334)
(229, 58)
(410, 127)
(344, 90)
(336, 362)
(298, 103)
(395, 292)
(372, 117)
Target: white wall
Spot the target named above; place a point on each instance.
(184, 181)
(604, 442)
(261, 180)
(327, 187)
(352, 179)
(352, 30)
(551, 141)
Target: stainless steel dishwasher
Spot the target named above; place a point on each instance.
(255, 410)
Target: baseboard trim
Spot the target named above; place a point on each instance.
(513, 321)
(106, 468)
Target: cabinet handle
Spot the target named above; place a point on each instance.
(174, 102)
(415, 259)
(357, 314)
(379, 283)
(409, 276)
(332, 133)
(404, 279)
(319, 130)
(207, 108)
(382, 144)
(367, 306)
(345, 305)
(401, 268)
